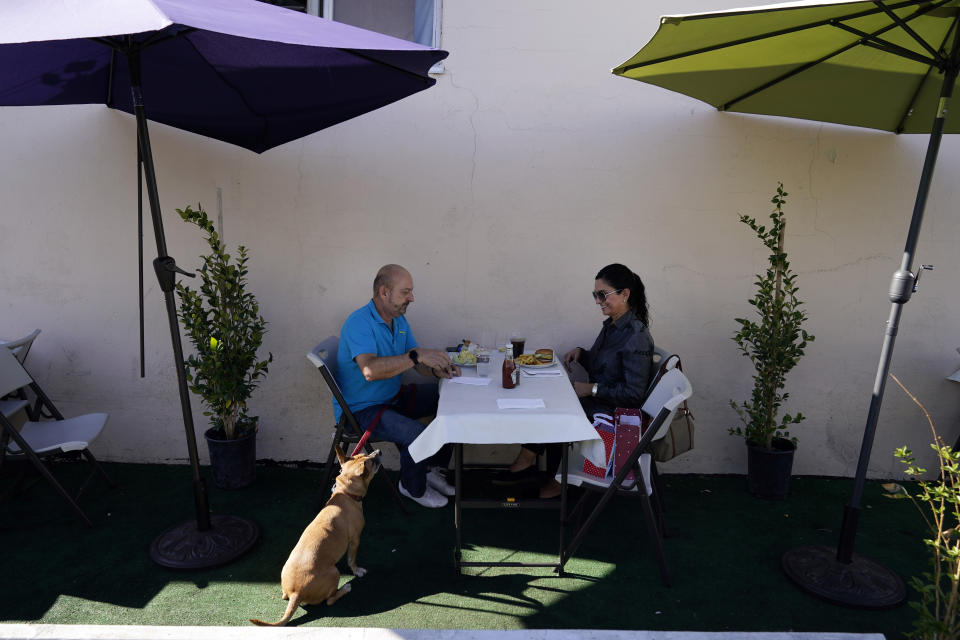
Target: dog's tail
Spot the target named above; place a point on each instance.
(291, 607)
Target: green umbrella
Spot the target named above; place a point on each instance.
(868, 64)
(889, 65)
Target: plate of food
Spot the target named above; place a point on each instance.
(463, 358)
(537, 360)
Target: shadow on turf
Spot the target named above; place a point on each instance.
(360, 603)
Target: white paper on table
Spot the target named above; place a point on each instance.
(480, 382)
(955, 377)
(520, 403)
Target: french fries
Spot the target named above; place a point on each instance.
(528, 359)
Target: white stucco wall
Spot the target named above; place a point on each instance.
(503, 189)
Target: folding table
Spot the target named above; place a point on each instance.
(469, 414)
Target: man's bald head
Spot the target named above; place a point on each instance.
(387, 276)
(392, 291)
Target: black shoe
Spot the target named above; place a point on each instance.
(530, 475)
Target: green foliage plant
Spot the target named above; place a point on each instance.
(938, 588)
(223, 321)
(774, 341)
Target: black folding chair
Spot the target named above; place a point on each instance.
(348, 431)
(669, 392)
(36, 439)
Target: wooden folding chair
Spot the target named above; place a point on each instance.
(36, 439)
(669, 392)
(348, 431)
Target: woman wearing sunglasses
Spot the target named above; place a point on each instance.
(617, 365)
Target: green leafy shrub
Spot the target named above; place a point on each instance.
(938, 588)
(223, 321)
(775, 341)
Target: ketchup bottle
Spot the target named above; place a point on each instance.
(511, 375)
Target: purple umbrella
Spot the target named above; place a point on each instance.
(240, 71)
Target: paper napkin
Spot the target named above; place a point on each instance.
(520, 403)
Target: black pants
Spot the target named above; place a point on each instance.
(555, 450)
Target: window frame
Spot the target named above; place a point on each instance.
(327, 8)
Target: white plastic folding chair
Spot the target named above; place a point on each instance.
(20, 346)
(662, 361)
(324, 357)
(14, 402)
(669, 392)
(36, 439)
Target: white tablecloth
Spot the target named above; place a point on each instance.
(469, 414)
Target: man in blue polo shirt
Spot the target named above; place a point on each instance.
(376, 347)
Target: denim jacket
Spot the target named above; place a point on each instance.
(619, 361)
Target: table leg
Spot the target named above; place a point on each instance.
(564, 467)
(458, 485)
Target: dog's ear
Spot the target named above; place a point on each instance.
(341, 456)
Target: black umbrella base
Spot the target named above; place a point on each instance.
(183, 546)
(863, 583)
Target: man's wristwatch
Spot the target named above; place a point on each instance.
(413, 356)
(593, 390)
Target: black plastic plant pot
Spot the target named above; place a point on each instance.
(232, 462)
(769, 470)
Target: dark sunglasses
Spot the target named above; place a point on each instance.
(600, 296)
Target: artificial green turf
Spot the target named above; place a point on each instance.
(723, 549)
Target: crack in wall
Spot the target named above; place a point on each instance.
(844, 265)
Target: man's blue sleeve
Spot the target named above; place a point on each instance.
(358, 338)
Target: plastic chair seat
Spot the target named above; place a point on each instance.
(71, 434)
(9, 408)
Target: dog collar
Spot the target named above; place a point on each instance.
(355, 497)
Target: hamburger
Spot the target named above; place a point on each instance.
(544, 355)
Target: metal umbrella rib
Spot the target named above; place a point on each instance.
(926, 76)
(871, 40)
(866, 39)
(903, 25)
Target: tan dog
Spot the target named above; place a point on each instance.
(310, 574)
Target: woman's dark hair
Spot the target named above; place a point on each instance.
(620, 277)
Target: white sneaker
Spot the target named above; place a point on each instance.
(430, 498)
(438, 481)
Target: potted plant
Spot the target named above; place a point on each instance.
(774, 342)
(223, 322)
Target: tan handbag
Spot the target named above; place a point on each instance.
(679, 438)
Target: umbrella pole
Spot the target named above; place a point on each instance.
(207, 541)
(140, 250)
(844, 577)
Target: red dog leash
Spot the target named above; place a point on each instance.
(376, 418)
